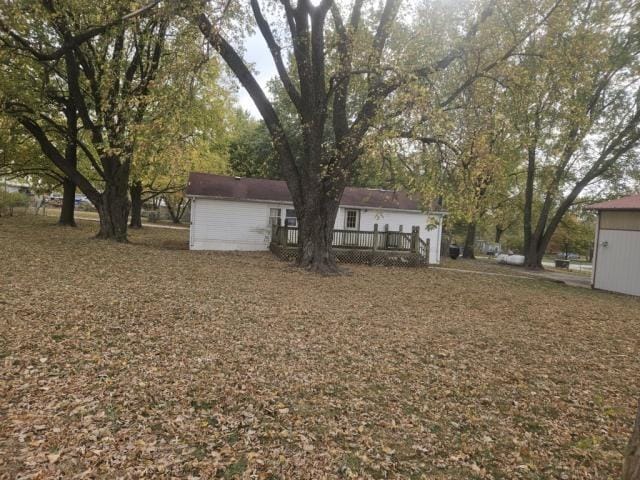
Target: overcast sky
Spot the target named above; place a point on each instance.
(257, 53)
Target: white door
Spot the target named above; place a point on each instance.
(617, 266)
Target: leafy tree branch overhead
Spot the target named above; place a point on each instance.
(339, 80)
(100, 95)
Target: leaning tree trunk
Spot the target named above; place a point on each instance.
(136, 204)
(499, 232)
(113, 208)
(315, 235)
(470, 241)
(631, 467)
(68, 203)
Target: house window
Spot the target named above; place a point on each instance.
(274, 216)
(351, 220)
(290, 219)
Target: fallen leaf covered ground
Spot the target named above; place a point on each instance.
(148, 360)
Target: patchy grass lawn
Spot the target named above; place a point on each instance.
(147, 360)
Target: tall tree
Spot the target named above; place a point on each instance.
(576, 104)
(105, 73)
(21, 157)
(328, 60)
(26, 93)
(471, 170)
(185, 126)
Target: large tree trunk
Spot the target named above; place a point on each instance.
(528, 195)
(631, 467)
(470, 241)
(71, 156)
(533, 256)
(315, 235)
(113, 208)
(68, 203)
(136, 204)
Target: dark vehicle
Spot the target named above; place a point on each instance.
(454, 251)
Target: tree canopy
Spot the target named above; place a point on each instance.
(507, 113)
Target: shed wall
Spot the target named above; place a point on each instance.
(229, 225)
(623, 220)
(617, 265)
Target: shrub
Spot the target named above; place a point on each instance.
(11, 200)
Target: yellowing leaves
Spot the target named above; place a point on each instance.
(196, 366)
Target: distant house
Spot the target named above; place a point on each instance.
(232, 213)
(13, 186)
(616, 262)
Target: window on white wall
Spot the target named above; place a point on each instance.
(290, 218)
(351, 219)
(274, 216)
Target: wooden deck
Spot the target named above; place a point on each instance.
(377, 247)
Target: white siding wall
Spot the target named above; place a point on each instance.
(617, 266)
(230, 225)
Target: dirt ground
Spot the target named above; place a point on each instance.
(148, 360)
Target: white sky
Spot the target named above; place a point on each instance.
(257, 53)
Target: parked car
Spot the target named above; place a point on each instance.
(55, 200)
(81, 200)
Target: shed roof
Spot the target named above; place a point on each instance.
(632, 202)
(256, 189)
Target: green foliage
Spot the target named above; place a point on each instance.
(185, 125)
(251, 152)
(574, 103)
(11, 200)
(574, 235)
(20, 156)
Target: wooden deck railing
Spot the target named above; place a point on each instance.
(383, 240)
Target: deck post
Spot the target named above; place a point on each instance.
(426, 253)
(386, 236)
(284, 232)
(415, 239)
(375, 237)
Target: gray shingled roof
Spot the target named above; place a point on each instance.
(256, 189)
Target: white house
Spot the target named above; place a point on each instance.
(616, 262)
(232, 213)
(14, 186)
